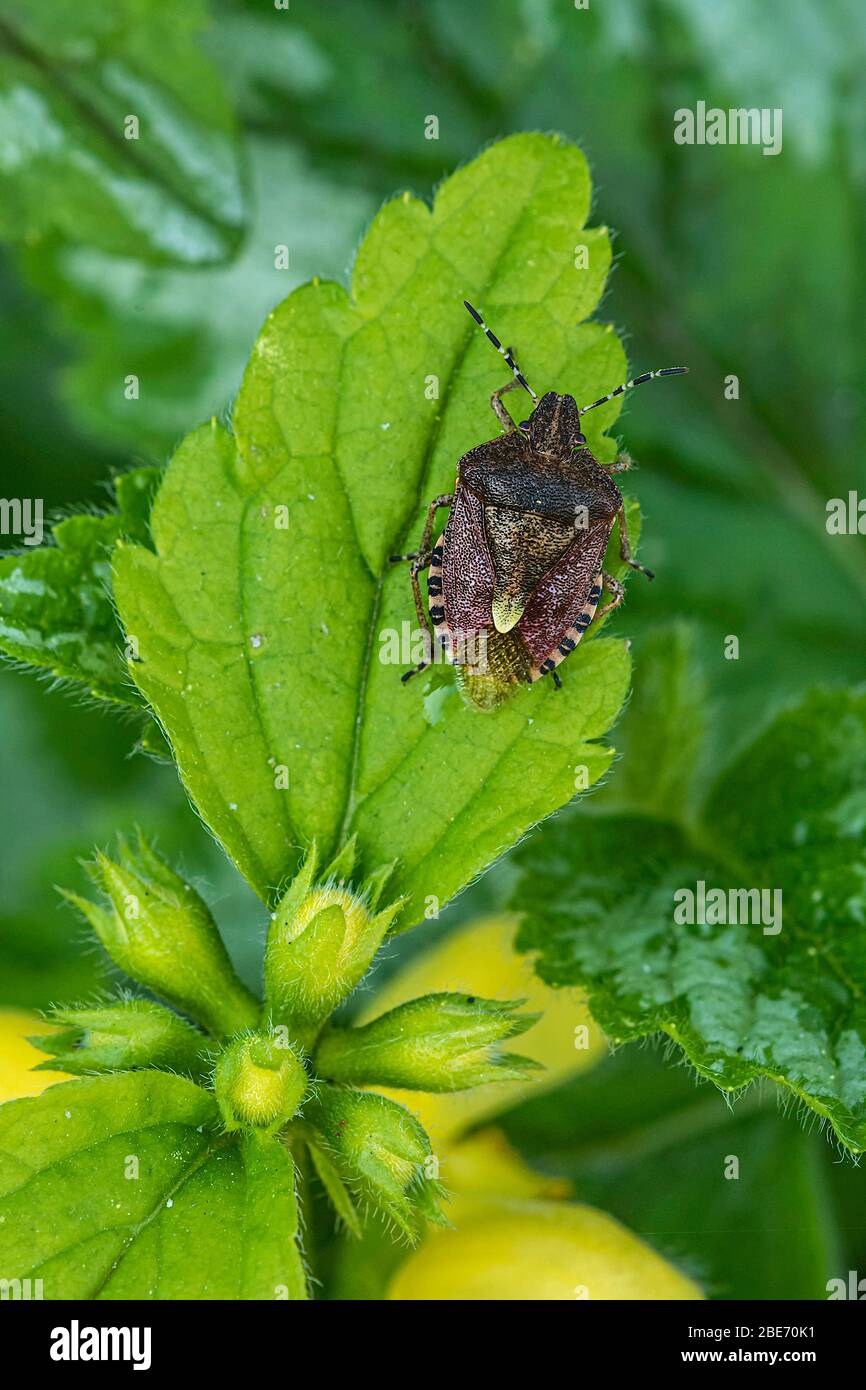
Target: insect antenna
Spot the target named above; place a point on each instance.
(638, 381)
(506, 353)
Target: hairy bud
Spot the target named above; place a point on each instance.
(259, 1083)
(382, 1153)
(130, 1033)
(158, 930)
(322, 940)
(441, 1042)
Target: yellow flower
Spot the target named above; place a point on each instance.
(17, 1057)
(514, 1248)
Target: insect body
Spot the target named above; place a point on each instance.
(516, 577)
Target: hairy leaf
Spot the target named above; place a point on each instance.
(122, 1187)
(56, 612)
(71, 75)
(604, 908)
(262, 618)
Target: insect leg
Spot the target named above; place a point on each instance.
(421, 561)
(621, 464)
(445, 500)
(614, 588)
(625, 548)
(499, 409)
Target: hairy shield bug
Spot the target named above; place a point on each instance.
(516, 577)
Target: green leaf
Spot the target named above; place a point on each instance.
(260, 644)
(739, 1200)
(71, 75)
(122, 1187)
(743, 1000)
(56, 610)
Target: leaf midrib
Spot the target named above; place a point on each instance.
(252, 681)
(215, 1146)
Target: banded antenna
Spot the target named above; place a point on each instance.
(638, 381)
(518, 375)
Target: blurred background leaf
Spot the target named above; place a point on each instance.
(115, 131)
(186, 333)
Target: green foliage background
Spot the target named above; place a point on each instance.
(729, 261)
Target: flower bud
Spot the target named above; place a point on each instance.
(382, 1153)
(321, 942)
(442, 1042)
(259, 1083)
(130, 1033)
(161, 933)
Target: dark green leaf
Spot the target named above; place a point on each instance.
(761, 992)
(56, 611)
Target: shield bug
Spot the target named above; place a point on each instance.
(516, 577)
